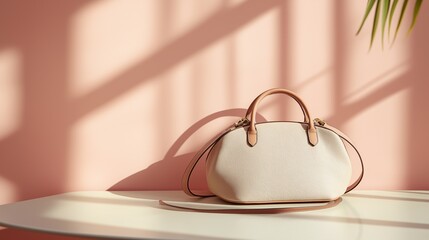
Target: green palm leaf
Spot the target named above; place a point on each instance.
(404, 7)
(416, 11)
(387, 9)
(392, 11)
(367, 11)
(375, 23)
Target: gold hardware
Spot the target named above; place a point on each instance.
(319, 122)
(241, 122)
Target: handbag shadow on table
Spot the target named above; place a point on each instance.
(173, 165)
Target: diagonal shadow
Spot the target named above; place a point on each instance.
(347, 111)
(415, 79)
(39, 30)
(172, 166)
(365, 221)
(214, 28)
(387, 197)
(417, 139)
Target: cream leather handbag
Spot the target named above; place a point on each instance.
(277, 162)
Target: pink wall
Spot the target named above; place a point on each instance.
(98, 95)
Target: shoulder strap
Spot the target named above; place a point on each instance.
(197, 206)
(189, 170)
(193, 163)
(350, 143)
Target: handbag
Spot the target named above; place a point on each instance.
(277, 161)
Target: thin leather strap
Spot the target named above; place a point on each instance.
(350, 143)
(193, 163)
(197, 157)
(243, 210)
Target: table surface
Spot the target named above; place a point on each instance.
(138, 215)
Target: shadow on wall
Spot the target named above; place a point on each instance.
(172, 167)
(415, 79)
(40, 32)
(418, 129)
(35, 157)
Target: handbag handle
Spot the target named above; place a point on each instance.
(306, 119)
(252, 133)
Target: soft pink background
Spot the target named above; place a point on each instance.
(98, 95)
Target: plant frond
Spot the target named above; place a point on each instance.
(384, 13)
(386, 8)
(375, 23)
(369, 7)
(404, 7)
(416, 11)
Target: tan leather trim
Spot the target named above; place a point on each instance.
(312, 133)
(312, 136)
(252, 137)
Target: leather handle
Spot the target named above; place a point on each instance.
(252, 135)
(306, 119)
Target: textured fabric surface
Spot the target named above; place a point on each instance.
(281, 167)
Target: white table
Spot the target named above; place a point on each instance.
(138, 215)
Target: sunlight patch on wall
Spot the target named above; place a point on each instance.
(232, 3)
(381, 80)
(183, 16)
(11, 95)
(121, 136)
(108, 37)
(8, 192)
(137, 127)
(311, 53)
(256, 60)
(379, 131)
